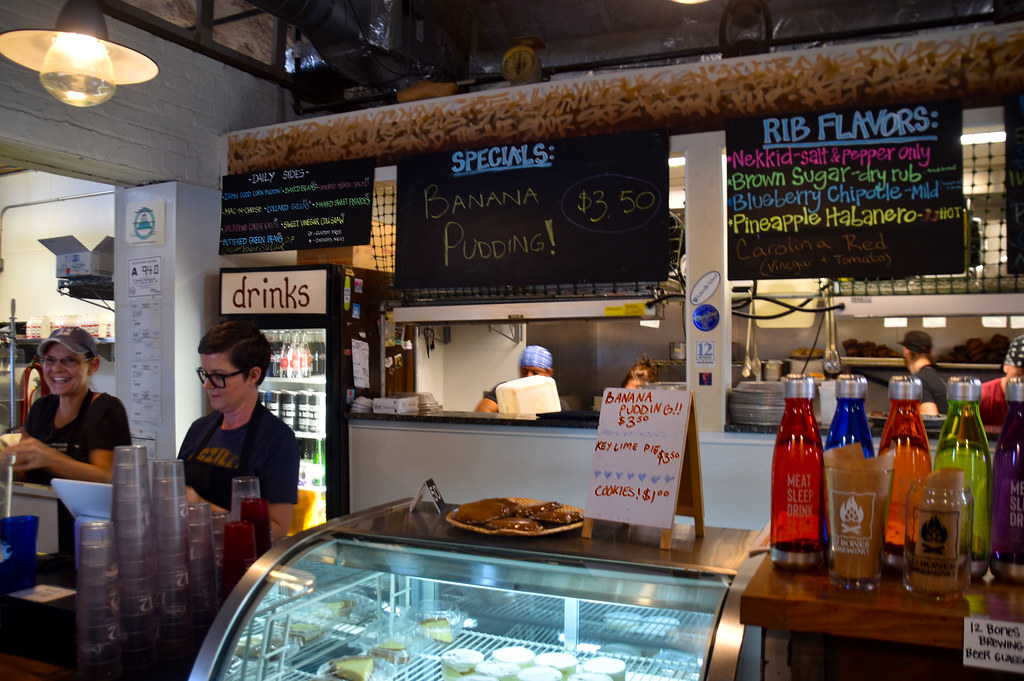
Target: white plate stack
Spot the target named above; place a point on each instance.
(757, 403)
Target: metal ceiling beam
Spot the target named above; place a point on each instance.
(200, 40)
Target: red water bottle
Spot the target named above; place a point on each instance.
(797, 520)
(905, 436)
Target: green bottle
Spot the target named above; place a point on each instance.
(963, 444)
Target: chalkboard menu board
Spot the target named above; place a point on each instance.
(320, 205)
(1014, 120)
(862, 193)
(591, 209)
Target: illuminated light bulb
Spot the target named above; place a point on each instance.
(77, 70)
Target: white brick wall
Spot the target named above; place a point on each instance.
(171, 128)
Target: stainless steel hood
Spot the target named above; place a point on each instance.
(592, 309)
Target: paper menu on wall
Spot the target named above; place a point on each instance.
(638, 456)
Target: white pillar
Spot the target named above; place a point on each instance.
(706, 253)
(162, 314)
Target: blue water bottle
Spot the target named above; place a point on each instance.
(850, 422)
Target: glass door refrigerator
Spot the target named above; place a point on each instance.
(322, 323)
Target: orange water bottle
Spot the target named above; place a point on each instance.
(904, 434)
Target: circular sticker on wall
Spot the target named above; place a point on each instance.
(705, 317)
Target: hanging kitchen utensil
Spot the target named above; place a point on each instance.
(746, 354)
(755, 362)
(831, 362)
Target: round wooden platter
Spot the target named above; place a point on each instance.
(522, 501)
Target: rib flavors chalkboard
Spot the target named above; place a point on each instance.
(863, 193)
(320, 205)
(1014, 121)
(583, 210)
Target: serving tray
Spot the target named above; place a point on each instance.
(522, 501)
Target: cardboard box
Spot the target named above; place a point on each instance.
(75, 260)
(356, 256)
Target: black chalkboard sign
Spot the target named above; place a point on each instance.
(1014, 121)
(290, 209)
(582, 210)
(862, 193)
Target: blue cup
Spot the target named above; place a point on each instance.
(18, 552)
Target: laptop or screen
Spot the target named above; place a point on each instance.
(84, 499)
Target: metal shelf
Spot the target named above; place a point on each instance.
(898, 363)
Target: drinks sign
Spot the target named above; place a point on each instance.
(859, 193)
(638, 457)
(269, 291)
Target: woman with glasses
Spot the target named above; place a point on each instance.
(240, 437)
(72, 432)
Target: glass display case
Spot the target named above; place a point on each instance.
(394, 594)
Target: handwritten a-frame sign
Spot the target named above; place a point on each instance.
(646, 466)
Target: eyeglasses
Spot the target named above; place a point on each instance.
(68, 362)
(216, 380)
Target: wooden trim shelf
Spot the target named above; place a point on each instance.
(807, 602)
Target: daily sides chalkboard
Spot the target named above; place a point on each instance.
(863, 193)
(320, 205)
(1014, 121)
(591, 209)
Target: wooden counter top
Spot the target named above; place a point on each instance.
(806, 601)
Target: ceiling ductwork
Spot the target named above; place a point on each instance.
(387, 44)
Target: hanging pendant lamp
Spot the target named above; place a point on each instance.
(75, 61)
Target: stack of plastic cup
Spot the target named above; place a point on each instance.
(257, 512)
(218, 519)
(170, 524)
(129, 510)
(239, 553)
(201, 577)
(97, 611)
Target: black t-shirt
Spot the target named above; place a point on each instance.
(933, 387)
(102, 423)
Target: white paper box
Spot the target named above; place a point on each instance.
(396, 405)
(530, 395)
(75, 260)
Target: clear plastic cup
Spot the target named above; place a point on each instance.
(242, 487)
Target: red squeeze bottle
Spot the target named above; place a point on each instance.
(797, 520)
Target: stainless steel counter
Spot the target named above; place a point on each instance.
(719, 551)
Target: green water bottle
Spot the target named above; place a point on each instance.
(963, 444)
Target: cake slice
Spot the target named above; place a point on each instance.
(392, 651)
(355, 668)
(438, 628)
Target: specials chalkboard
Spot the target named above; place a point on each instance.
(862, 193)
(590, 210)
(1014, 121)
(320, 205)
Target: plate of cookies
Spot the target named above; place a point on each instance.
(516, 517)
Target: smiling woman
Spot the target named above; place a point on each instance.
(72, 432)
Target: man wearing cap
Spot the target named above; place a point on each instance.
(71, 432)
(993, 405)
(536, 360)
(917, 353)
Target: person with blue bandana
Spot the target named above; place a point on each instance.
(536, 360)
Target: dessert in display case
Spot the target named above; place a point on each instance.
(393, 594)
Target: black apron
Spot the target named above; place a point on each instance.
(213, 483)
(75, 445)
